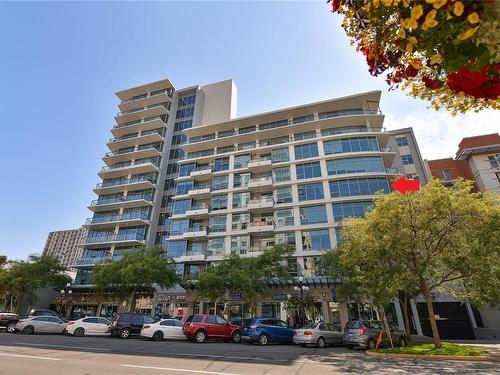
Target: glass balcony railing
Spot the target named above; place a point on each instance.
(386, 149)
(201, 186)
(111, 237)
(199, 207)
(128, 198)
(196, 228)
(91, 261)
(149, 95)
(261, 179)
(392, 170)
(262, 200)
(128, 151)
(136, 122)
(135, 135)
(114, 218)
(124, 181)
(139, 109)
(261, 159)
(156, 163)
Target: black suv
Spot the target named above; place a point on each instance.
(9, 321)
(127, 324)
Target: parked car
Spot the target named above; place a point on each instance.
(126, 324)
(364, 333)
(319, 334)
(41, 324)
(200, 327)
(9, 321)
(41, 312)
(90, 325)
(164, 329)
(266, 330)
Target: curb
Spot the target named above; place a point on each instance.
(437, 356)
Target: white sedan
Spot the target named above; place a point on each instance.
(90, 325)
(164, 329)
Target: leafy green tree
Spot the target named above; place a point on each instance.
(139, 267)
(21, 279)
(246, 275)
(435, 239)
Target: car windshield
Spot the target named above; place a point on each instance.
(309, 325)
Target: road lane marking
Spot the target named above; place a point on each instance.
(63, 346)
(31, 356)
(182, 370)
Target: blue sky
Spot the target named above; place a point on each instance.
(62, 62)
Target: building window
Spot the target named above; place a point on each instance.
(240, 200)
(215, 246)
(183, 187)
(241, 161)
(316, 240)
(308, 150)
(186, 169)
(283, 218)
(446, 174)
(407, 159)
(283, 195)
(285, 238)
(177, 249)
(186, 112)
(350, 209)
(240, 221)
(221, 164)
(181, 206)
(310, 192)
(281, 174)
(219, 202)
(241, 179)
(494, 160)
(240, 244)
(220, 182)
(308, 170)
(280, 155)
(358, 186)
(313, 215)
(355, 165)
(339, 146)
(217, 223)
(303, 136)
(345, 130)
(186, 100)
(402, 141)
(338, 236)
(181, 125)
(179, 226)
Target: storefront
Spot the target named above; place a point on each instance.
(170, 302)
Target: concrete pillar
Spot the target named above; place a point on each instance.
(399, 314)
(416, 318)
(472, 318)
(201, 307)
(344, 315)
(325, 310)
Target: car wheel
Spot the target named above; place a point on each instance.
(321, 342)
(157, 336)
(200, 336)
(79, 332)
(402, 342)
(28, 330)
(11, 327)
(236, 337)
(124, 333)
(371, 344)
(263, 339)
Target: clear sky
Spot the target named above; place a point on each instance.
(62, 62)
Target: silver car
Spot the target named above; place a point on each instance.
(364, 333)
(41, 324)
(320, 334)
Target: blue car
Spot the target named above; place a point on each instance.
(266, 330)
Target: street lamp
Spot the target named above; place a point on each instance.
(301, 288)
(66, 292)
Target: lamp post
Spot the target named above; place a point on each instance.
(301, 287)
(66, 292)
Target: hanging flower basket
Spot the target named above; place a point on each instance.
(446, 52)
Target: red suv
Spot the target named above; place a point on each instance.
(199, 327)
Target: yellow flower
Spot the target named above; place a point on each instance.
(473, 18)
(439, 3)
(376, 3)
(468, 33)
(436, 59)
(409, 23)
(412, 40)
(387, 3)
(406, 3)
(401, 32)
(430, 22)
(409, 47)
(458, 9)
(416, 12)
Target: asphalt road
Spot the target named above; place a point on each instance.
(55, 354)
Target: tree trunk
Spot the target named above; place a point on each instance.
(131, 302)
(406, 317)
(18, 302)
(386, 325)
(430, 311)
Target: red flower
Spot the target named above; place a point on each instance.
(410, 71)
(479, 84)
(432, 84)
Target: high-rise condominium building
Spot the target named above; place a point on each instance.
(63, 245)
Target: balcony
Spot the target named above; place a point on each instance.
(150, 136)
(198, 211)
(200, 191)
(119, 185)
(260, 204)
(260, 163)
(115, 238)
(192, 256)
(137, 167)
(105, 204)
(132, 218)
(138, 113)
(201, 172)
(90, 261)
(149, 123)
(139, 152)
(160, 96)
(195, 232)
(260, 184)
(261, 227)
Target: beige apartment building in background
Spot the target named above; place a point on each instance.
(63, 245)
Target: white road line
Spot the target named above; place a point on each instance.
(31, 356)
(182, 370)
(63, 346)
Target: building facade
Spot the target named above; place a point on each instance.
(63, 245)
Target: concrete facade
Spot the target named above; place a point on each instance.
(63, 245)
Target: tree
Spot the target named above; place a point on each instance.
(435, 239)
(23, 278)
(139, 267)
(248, 276)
